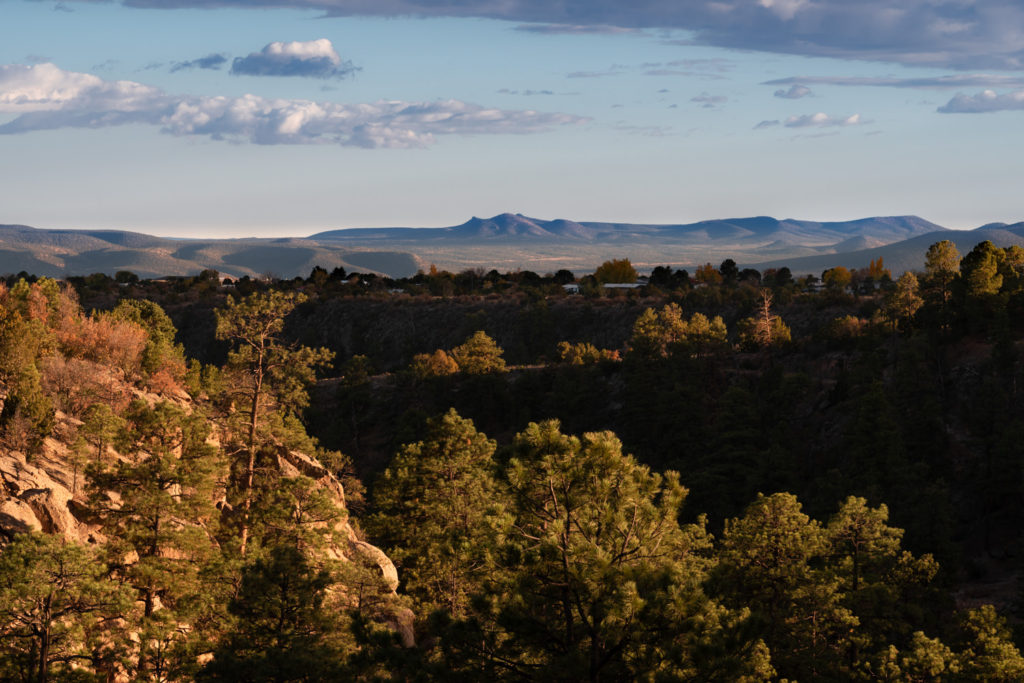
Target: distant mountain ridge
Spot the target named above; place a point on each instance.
(907, 254)
(59, 253)
(509, 226)
(508, 241)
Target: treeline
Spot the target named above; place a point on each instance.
(747, 477)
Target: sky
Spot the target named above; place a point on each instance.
(232, 118)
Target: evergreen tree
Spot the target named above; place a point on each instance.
(285, 628)
(882, 584)
(439, 514)
(58, 610)
(271, 378)
(157, 505)
(479, 355)
(903, 301)
(602, 581)
(942, 271)
(769, 561)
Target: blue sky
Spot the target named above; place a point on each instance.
(248, 117)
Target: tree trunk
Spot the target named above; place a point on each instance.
(44, 644)
(250, 467)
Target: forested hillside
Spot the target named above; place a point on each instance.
(719, 476)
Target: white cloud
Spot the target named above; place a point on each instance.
(985, 101)
(45, 87)
(822, 120)
(313, 58)
(45, 97)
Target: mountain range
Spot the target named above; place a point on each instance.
(505, 242)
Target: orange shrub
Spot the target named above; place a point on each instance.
(100, 338)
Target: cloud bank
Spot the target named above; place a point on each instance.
(962, 34)
(45, 97)
(983, 102)
(310, 59)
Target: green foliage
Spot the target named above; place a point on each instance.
(284, 628)
(161, 352)
(979, 270)
(884, 585)
(903, 301)
(768, 562)
(58, 610)
(28, 413)
(479, 355)
(270, 377)
(662, 333)
(439, 514)
(602, 581)
(941, 278)
(298, 513)
(989, 653)
(615, 270)
(157, 506)
(583, 353)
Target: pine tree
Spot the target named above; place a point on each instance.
(157, 505)
(768, 561)
(271, 376)
(439, 514)
(284, 627)
(58, 610)
(602, 581)
(479, 355)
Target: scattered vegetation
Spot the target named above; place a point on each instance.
(738, 476)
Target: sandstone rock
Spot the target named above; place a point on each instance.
(376, 556)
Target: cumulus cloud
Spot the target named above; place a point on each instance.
(214, 61)
(822, 120)
(795, 92)
(985, 101)
(312, 59)
(768, 124)
(962, 34)
(44, 97)
(932, 82)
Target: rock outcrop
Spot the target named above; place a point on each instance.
(44, 492)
